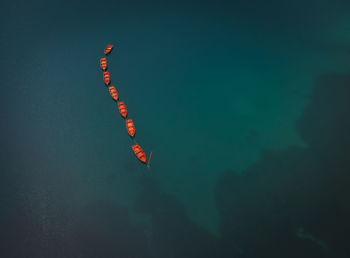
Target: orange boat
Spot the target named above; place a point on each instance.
(130, 127)
(106, 77)
(113, 92)
(103, 63)
(108, 49)
(122, 109)
(140, 154)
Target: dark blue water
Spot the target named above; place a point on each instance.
(245, 106)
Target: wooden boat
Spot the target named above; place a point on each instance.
(103, 63)
(122, 109)
(113, 92)
(140, 154)
(130, 127)
(108, 49)
(106, 77)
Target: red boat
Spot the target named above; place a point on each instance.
(122, 109)
(113, 92)
(103, 63)
(108, 49)
(106, 77)
(130, 127)
(140, 154)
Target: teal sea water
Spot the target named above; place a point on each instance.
(245, 107)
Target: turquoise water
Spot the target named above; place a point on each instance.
(232, 99)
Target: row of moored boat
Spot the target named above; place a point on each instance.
(130, 127)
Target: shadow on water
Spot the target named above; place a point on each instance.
(295, 202)
(173, 233)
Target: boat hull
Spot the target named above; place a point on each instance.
(130, 127)
(113, 92)
(108, 49)
(139, 153)
(122, 109)
(103, 63)
(106, 78)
